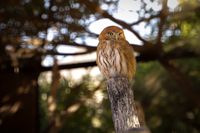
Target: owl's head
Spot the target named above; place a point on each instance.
(112, 33)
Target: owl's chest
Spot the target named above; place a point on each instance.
(111, 53)
(110, 58)
(111, 45)
(108, 50)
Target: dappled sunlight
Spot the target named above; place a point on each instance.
(10, 109)
(190, 115)
(76, 74)
(51, 104)
(98, 96)
(44, 97)
(96, 122)
(32, 41)
(49, 81)
(91, 96)
(23, 90)
(73, 108)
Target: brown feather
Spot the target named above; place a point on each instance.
(115, 57)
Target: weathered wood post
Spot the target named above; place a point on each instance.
(122, 104)
(124, 114)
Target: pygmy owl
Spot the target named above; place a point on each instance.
(115, 57)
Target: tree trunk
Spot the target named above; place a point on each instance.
(122, 104)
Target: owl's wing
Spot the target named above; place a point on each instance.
(100, 58)
(128, 52)
(100, 47)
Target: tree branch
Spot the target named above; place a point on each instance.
(145, 19)
(136, 47)
(72, 66)
(178, 53)
(65, 54)
(95, 8)
(163, 15)
(89, 48)
(141, 58)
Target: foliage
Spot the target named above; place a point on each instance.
(166, 108)
(168, 75)
(91, 111)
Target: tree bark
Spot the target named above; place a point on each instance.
(122, 104)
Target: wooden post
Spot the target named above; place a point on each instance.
(122, 104)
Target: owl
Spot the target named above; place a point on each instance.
(115, 56)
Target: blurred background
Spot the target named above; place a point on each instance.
(49, 82)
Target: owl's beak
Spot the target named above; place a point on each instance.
(116, 36)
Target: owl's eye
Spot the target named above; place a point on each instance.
(110, 33)
(120, 34)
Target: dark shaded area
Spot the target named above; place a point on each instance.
(18, 102)
(167, 80)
